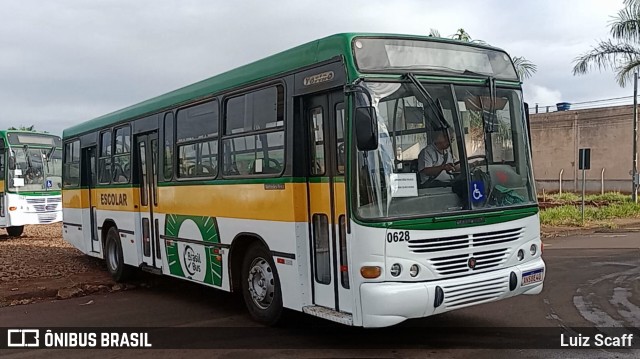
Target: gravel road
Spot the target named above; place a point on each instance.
(40, 264)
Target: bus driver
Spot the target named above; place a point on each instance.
(435, 161)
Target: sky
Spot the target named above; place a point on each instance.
(63, 62)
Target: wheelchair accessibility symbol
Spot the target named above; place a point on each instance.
(477, 191)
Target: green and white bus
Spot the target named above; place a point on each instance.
(30, 179)
(361, 178)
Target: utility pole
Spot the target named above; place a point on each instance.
(634, 192)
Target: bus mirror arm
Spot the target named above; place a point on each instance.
(366, 129)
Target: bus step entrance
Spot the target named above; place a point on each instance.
(150, 269)
(330, 314)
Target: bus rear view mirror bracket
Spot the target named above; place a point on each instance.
(366, 129)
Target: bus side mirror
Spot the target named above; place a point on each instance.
(12, 163)
(366, 129)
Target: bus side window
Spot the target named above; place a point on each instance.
(104, 157)
(340, 150)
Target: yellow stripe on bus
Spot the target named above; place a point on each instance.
(284, 202)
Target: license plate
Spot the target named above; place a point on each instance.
(532, 276)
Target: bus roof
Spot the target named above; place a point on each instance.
(304, 55)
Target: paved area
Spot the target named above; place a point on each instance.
(591, 282)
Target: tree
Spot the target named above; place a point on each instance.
(524, 67)
(621, 53)
(24, 128)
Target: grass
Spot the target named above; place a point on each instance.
(570, 197)
(570, 215)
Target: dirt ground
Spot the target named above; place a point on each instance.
(40, 264)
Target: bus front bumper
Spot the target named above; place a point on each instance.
(389, 303)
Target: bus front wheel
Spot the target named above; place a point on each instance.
(114, 257)
(15, 231)
(261, 285)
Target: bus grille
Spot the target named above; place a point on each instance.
(44, 204)
(458, 264)
(46, 218)
(463, 295)
(442, 244)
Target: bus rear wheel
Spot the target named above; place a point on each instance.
(114, 257)
(15, 231)
(261, 285)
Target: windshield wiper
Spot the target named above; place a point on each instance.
(436, 107)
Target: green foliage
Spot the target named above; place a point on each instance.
(621, 53)
(524, 67)
(564, 197)
(23, 128)
(558, 216)
(609, 197)
(570, 197)
(570, 215)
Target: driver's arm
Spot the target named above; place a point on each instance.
(427, 166)
(435, 170)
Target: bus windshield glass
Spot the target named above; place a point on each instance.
(35, 169)
(444, 149)
(399, 55)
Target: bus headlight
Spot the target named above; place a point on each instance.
(396, 269)
(533, 250)
(414, 270)
(520, 255)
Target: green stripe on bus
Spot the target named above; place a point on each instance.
(37, 194)
(455, 221)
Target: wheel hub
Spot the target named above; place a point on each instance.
(261, 283)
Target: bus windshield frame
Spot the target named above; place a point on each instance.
(34, 169)
(486, 147)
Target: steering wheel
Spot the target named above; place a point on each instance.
(276, 165)
(457, 163)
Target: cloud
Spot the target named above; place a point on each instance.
(543, 96)
(68, 61)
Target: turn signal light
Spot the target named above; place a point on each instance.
(13, 208)
(370, 272)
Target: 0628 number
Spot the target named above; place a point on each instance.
(400, 236)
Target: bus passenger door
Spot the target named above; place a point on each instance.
(146, 164)
(90, 179)
(3, 171)
(324, 117)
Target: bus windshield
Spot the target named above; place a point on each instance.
(35, 169)
(444, 149)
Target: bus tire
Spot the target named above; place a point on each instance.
(261, 285)
(114, 257)
(15, 231)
